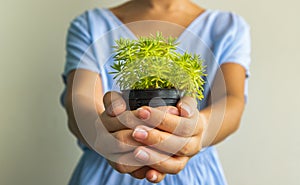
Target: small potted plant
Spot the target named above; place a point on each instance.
(150, 71)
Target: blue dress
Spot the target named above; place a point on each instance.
(219, 37)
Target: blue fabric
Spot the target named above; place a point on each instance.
(219, 37)
(202, 169)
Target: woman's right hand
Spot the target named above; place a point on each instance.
(119, 149)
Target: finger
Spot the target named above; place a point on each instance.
(187, 106)
(114, 103)
(140, 173)
(112, 124)
(132, 119)
(123, 142)
(177, 125)
(159, 161)
(166, 142)
(127, 119)
(155, 176)
(125, 163)
(117, 142)
(169, 109)
(152, 175)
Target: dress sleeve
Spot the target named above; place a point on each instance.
(80, 53)
(235, 43)
(237, 48)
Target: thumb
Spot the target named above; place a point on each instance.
(187, 106)
(114, 103)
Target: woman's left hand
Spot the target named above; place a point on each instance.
(169, 140)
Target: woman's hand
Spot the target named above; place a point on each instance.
(166, 149)
(169, 140)
(114, 138)
(119, 148)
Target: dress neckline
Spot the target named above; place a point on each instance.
(193, 23)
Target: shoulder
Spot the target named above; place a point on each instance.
(94, 21)
(227, 17)
(224, 23)
(89, 16)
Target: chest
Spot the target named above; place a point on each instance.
(169, 23)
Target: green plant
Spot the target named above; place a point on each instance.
(152, 62)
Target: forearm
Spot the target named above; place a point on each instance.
(223, 118)
(83, 102)
(80, 114)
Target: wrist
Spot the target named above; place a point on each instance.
(203, 119)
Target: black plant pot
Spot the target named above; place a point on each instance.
(151, 97)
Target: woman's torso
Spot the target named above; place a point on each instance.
(205, 35)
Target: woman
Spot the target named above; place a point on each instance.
(91, 113)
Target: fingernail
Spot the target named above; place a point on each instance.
(142, 155)
(153, 178)
(143, 114)
(186, 109)
(140, 134)
(173, 110)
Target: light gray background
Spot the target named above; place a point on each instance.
(36, 147)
